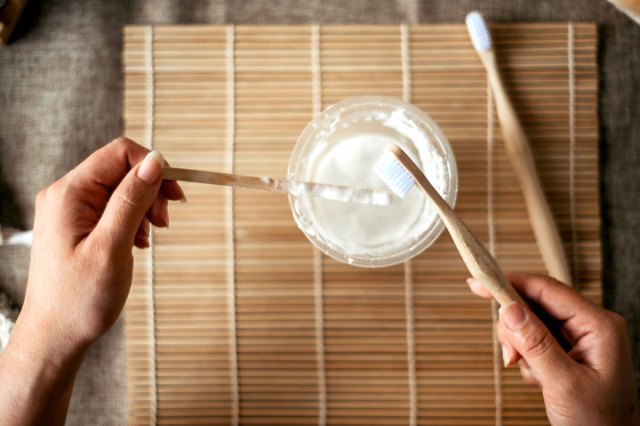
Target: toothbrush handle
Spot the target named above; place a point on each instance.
(479, 261)
(519, 152)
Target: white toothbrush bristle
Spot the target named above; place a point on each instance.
(479, 32)
(393, 173)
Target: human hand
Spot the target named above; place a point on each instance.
(86, 225)
(592, 383)
(85, 228)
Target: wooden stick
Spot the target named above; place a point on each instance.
(519, 152)
(298, 189)
(479, 261)
(225, 179)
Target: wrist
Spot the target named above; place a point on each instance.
(40, 342)
(39, 372)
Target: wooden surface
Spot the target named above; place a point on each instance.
(233, 317)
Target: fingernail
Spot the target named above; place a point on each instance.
(150, 170)
(505, 356)
(513, 316)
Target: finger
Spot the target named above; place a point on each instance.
(478, 289)
(577, 315)
(527, 374)
(143, 229)
(552, 295)
(109, 165)
(509, 355)
(533, 341)
(129, 204)
(103, 170)
(557, 302)
(141, 242)
(171, 190)
(142, 235)
(557, 299)
(158, 214)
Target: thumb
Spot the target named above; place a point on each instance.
(533, 341)
(130, 202)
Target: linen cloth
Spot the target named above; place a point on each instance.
(61, 98)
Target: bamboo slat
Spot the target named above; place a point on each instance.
(233, 316)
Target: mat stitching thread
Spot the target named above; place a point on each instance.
(497, 353)
(572, 144)
(316, 82)
(231, 242)
(408, 267)
(406, 63)
(149, 124)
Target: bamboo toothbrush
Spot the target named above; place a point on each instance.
(519, 153)
(400, 173)
(298, 189)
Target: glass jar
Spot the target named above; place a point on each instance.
(340, 147)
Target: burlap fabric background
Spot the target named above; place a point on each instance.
(61, 98)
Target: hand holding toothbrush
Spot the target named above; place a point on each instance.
(592, 383)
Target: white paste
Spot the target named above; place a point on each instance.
(344, 194)
(340, 147)
(364, 228)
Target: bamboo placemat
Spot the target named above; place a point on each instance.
(234, 318)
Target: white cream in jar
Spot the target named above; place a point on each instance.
(340, 147)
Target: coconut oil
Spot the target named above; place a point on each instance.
(340, 147)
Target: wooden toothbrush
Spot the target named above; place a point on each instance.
(519, 152)
(400, 173)
(296, 188)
